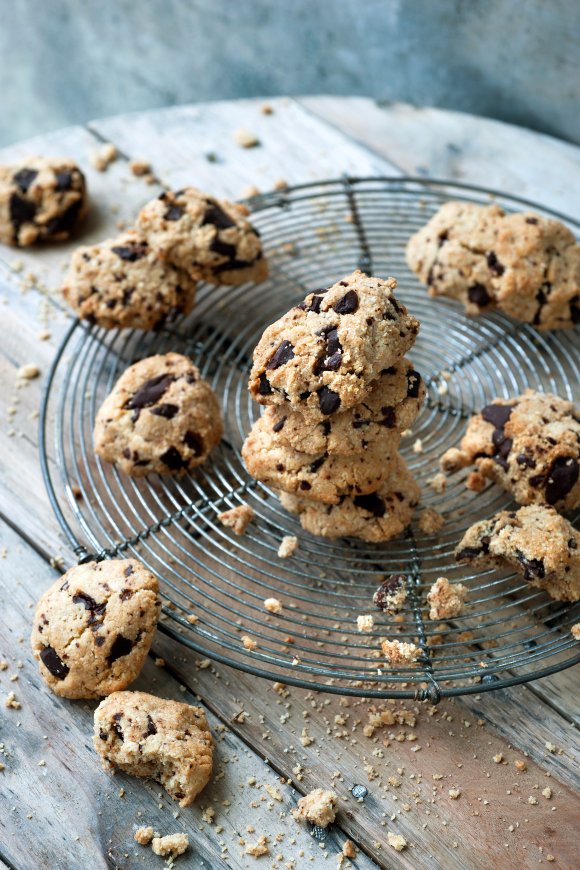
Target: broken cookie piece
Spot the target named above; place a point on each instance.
(391, 594)
(398, 652)
(317, 807)
(535, 541)
(237, 519)
(94, 626)
(146, 736)
(446, 599)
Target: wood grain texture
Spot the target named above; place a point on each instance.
(298, 147)
(461, 147)
(66, 812)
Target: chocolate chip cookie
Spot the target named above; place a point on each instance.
(322, 477)
(391, 406)
(159, 739)
(161, 417)
(535, 541)
(94, 626)
(41, 200)
(122, 283)
(525, 264)
(374, 516)
(322, 355)
(210, 239)
(530, 445)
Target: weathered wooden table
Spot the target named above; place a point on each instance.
(59, 810)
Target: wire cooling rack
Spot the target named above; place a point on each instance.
(313, 235)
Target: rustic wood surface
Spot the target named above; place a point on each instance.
(59, 809)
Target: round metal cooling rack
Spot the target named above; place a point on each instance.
(313, 235)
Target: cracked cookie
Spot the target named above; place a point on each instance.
(391, 406)
(374, 517)
(93, 628)
(324, 478)
(163, 740)
(535, 541)
(525, 264)
(161, 417)
(210, 239)
(122, 283)
(321, 356)
(42, 199)
(530, 445)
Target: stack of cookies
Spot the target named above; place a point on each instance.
(340, 392)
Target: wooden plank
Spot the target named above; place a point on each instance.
(59, 802)
(461, 147)
(453, 746)
(294, 146)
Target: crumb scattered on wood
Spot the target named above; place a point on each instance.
(140, 167)
(575, 631)
(102, 158)
(438, 482)
(266, 109)
(144, 835)
(288, 546)
(259, 848)
(418, 446)
(446, 599)
(172, 844)
(249, 642)
(238, 519)
(318, 807)
(28, 372)
(245, 139)
(397, 841)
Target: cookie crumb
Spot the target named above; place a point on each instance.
(103, 157)
(453, 459)
(172, 844)
(349, 849)
(520, 765)
(431, 521)
(266, 109)
(399, 653)
(318, 807)
(272, 605)
(249, 643)
(418, 446)
(397, 841)
(454, 793)
(280, 184)
(192, 618)
(288, 546)
(159, 662)
(365, 623)
(475, 482)
(238, 519)
(391, 594)
(11, 702)
(245, 139)
(143, 835)
(274, 792)
(28, 372)
(575, 631)
(139, 167)
(258, 848)
(446, 599)
(250, 191)
(438, 482)
(547, 792)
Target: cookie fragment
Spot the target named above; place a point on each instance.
(391, 595)
(122, 283)
(172, 845)
(530, 445)
(446, 599)
(211, 239)
(535, 541)
(525, 264)
(398, 652)
(93, 627)
(163, 740)
(237, 519)
(42, 199)
(317, 807)
(161, 417)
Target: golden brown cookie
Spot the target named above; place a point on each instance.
(163, 740)
(322, 356)
(210, 239)
(93, 628)
(161, 417)
(42, 199)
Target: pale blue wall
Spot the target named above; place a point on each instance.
(65, 61)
